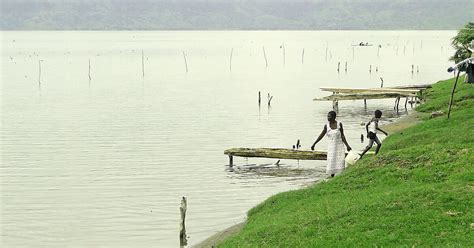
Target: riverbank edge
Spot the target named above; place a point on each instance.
(406, 121)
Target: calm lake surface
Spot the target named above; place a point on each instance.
(104, 162)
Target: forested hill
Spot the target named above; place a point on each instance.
(234, 14)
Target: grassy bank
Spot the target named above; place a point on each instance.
(418, 191)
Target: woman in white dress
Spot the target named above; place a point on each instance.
(336, 153)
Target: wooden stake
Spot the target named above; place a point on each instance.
(89, 69)
(452, 94)
(397, 102)
(302, 57)
(283, 45)
(183, 240)
(265, 56)
(185, 61)
(259, 98)
(345, 67)
(231, 160)
(338, 65)
(370, 68)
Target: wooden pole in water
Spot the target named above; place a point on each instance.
(259, 98)
(412, 68)
(269, 99)
(143, 64)
(302, 57)
(231, 160)
(265, 56)
(381, 82)
(345, 67)
(397, 102)
(370, 69)
(89, 69)
(406, 101)
(230, 62)
(452, 94)
(185, 61)
(183, 240)
(338, 65)
(283, 45)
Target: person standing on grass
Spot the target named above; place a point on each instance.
(371, 127)
(336, 154)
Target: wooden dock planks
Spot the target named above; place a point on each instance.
(337, 97)
(370, 90)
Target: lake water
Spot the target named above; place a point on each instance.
(104, 162)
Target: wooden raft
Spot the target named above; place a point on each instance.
(404, 91)
(279, 153)
(337, 97)
(372, 93)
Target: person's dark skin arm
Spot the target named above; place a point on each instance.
(377, 127)
(367, 128)
(344, 139)
(320, 137)
(386, 134)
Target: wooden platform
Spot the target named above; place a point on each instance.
(396, 92)
(404, 91)
(337, 97)
(279, 153)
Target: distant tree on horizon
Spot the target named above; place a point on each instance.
(461, 43)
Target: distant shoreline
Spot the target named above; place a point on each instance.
(221, 30)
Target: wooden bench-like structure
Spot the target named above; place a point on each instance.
(397, 92)
(279, 153)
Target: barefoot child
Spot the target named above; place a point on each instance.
(337, 140)
(371, 127)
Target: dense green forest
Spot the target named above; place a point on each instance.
(234, 14)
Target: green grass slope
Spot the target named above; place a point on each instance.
(418, 191)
